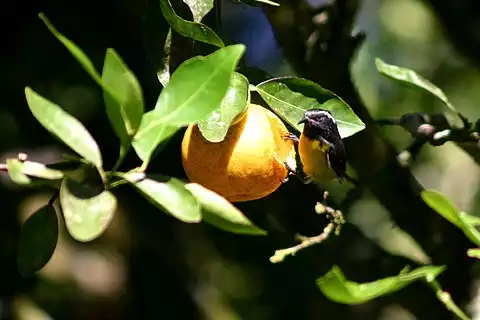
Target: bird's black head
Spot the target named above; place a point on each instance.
(319, 122)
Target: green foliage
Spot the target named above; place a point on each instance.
(337, 288)
(199, 8)
(205, 91)
(38, 239)
(220, 213)
(447, 209)
(150, 135)
(214, 128)
(197, 87)
(416, 81)
(168, 194)
(86, 209)
(125, 112)
(290, 97)
(189, 29)
(64, 126)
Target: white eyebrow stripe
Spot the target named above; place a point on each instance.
(328, 115)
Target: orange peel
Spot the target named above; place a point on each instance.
(248, 164)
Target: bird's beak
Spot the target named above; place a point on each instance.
(304, 119)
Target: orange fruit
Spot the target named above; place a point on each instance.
(248, 164)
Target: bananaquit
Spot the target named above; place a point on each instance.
(321, 148)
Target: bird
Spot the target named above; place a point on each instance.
(320, 147)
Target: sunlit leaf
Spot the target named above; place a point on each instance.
(199, 8)
(215, 127)
(15, 172)
(410, 77)
(470, 219)
(290, 97)
(38, 239)
(197, 87)
(163, 73)
(440, 203)
(474, 253)
(167, 193)
(194, 30)
(21, 171)
(150, 135)
(126, 110)
(64, 126)
(220, 213)
(337, 288)
(87, 211)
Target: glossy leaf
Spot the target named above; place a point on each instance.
(337, 288)
(410, 77)
(447, 209)
(167, 193)
(163, 73)
(197, 87)
(194, 30)
(64, 126)
(87, 211)
(290, 97)
(219, 212)
(77, 53)
(199, 8)
(15, 172)
(126, 110)
(150, 135)
(21, 171)
(474, 253)
(38, 239)
(215, 126)
(470, 219)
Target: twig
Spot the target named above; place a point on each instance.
(447, 300)
(336, 222)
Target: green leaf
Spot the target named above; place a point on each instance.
(194, 30)
(474, 253)
(337, 288)
(163, 73)
(168, 194)
(290, 97)
(15, 171)
(38, 239)
(413, 79)
(87, 211)
(447, 209)
(150, 134)
(220, 213)
(197, 87)
(64, 126)
(21, 171)
(470, 219)
(215, 127)
(199, 8)
(74, 50)
(126, 110)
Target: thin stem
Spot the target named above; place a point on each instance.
(336, 221)
(447, 300)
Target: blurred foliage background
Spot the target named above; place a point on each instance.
(150, 266)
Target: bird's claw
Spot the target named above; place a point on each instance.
(291, 136)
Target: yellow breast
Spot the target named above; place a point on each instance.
(314, 160)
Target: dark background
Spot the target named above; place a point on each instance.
(150, 266)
